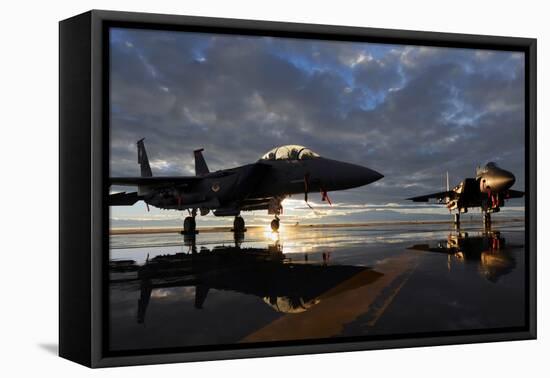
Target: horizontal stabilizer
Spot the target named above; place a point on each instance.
(123, 199)
(154, 181)
(165, 180)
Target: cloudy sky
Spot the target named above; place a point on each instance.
(409, 112)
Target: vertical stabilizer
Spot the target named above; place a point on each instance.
(201, 291)
(200, 165)
(143, 160)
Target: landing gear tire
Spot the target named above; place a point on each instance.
(275, 225)
(189, 226)
(239, 225)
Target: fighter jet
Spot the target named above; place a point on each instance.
(262, 185)
(487, 190)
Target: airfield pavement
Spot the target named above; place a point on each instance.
(312, 282)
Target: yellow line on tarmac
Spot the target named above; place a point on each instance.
(340, 305)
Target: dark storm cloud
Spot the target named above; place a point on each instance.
(410, 112)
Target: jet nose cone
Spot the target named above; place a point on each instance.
(338, 175)
(368, 176)
(502, 180)
(508, 179)
(376, 175)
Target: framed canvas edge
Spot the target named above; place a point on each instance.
(259, 352)
(98, 137)
(74, 271)
(324, 31)
(99, 18)
(531, 168)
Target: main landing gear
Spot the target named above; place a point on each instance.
(189, 224)
(275, 224)
(238, 225)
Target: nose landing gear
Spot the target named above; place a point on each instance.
(456, 220)
(276, 208)
(487, 220)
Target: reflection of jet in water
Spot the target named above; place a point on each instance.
(487, 250)
(286, 286)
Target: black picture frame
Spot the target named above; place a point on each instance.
(84, 156)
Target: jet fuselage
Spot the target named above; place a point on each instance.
(252, 186)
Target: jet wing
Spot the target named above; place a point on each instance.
(155, 180)
(515, 194)
(427, 248)
(123, 199)
(438, 196)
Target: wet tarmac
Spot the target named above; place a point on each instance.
(313, 283)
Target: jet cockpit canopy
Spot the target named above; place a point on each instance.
(290, 152)
(490, 165)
